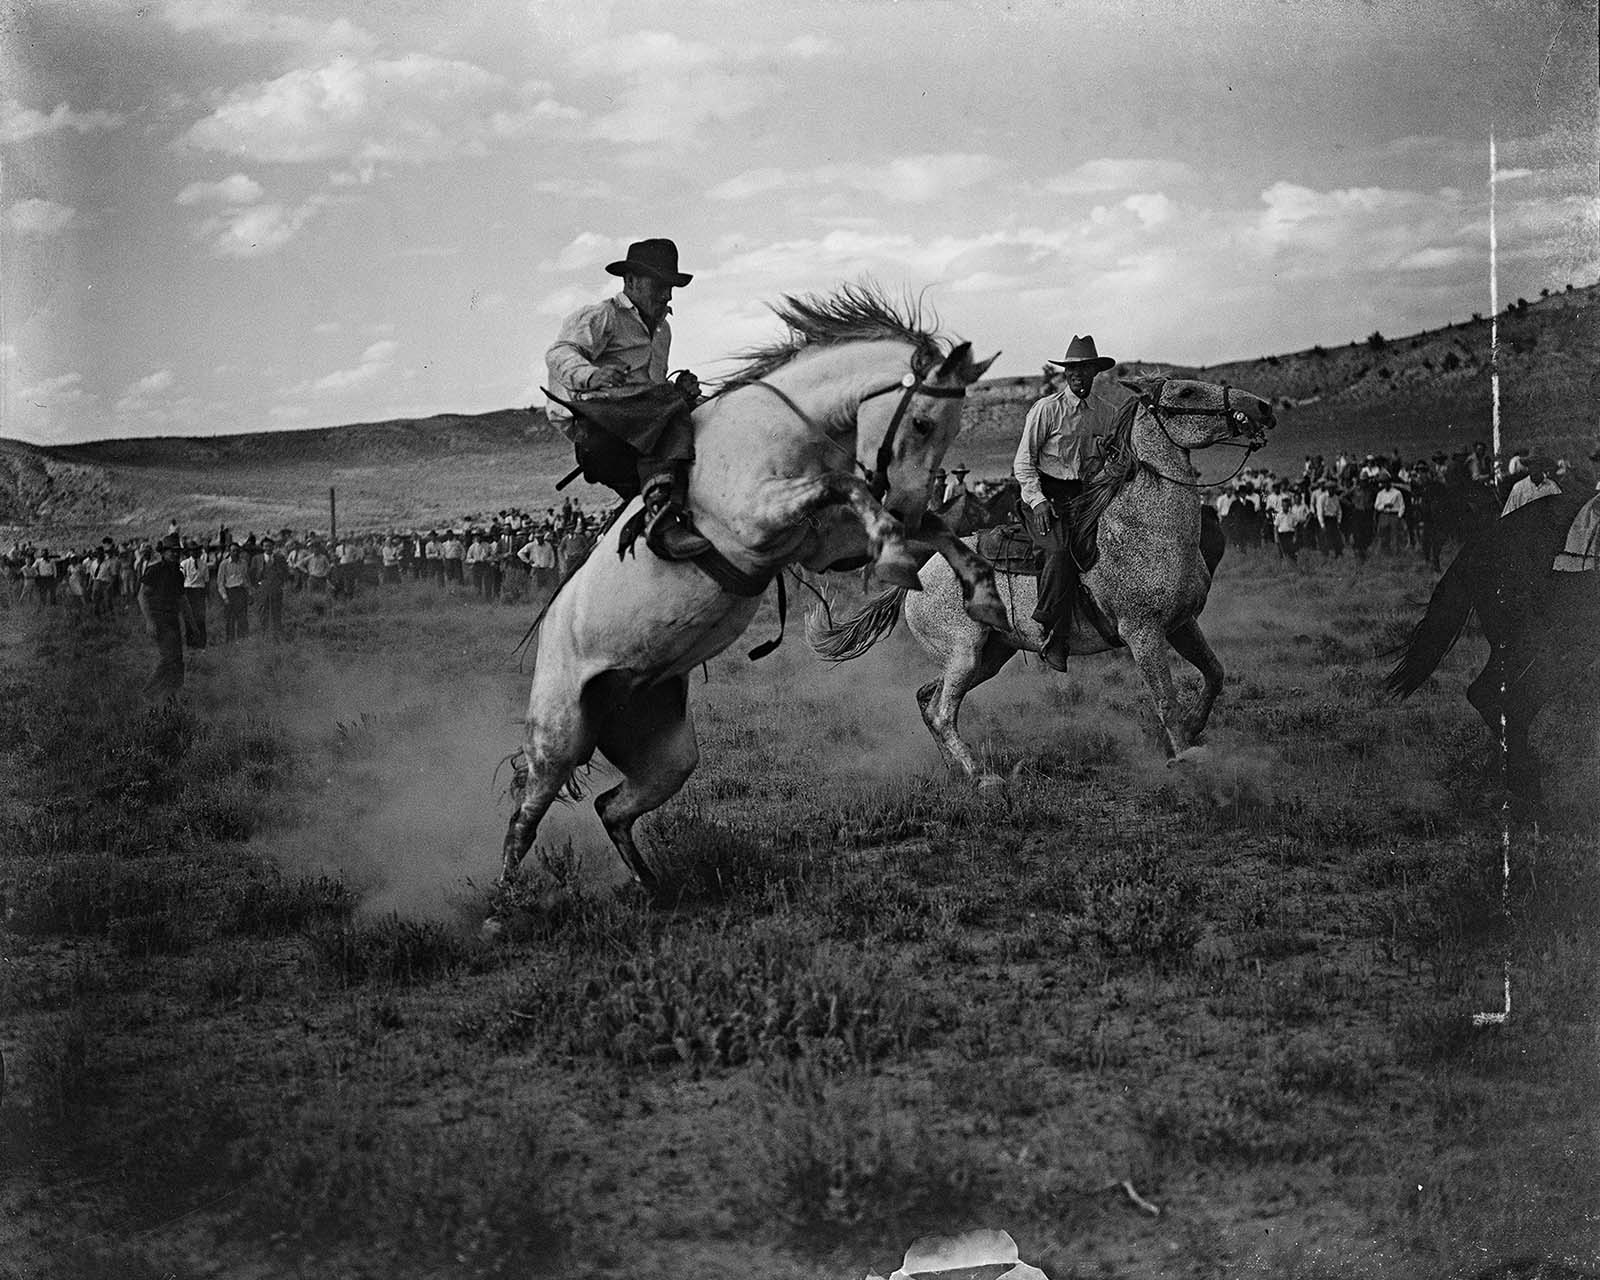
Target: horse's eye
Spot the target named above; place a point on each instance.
(921, 425)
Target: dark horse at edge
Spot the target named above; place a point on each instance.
(1541, 625)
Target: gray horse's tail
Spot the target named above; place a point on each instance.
(1448, 610)
(841, 641)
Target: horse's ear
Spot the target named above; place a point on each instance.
(1146, 389)
(960, 366)
(952, 364)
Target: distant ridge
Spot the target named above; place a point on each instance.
(1415, 392)
(402, 437)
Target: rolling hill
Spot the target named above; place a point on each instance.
(1416, 392)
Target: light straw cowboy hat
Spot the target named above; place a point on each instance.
(1080, 351)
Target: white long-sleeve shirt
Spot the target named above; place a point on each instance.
(605, 335)
(1526, 491)
(1058, 438)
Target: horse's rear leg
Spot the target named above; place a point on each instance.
(967, 667)
(1191, 644)
(651, 740)
(556, 744)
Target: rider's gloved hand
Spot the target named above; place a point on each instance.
(688, 384)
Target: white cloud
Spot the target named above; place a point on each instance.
(665, 89)
(139, 397)
(809, 47)
(53, 393)
(644, 54)
(1107, 175)
(376, 362)
(1151, 209)
(235, 189)
(917, 179)
(409, 109)
(576, 188)
(238, 22)
(253, 231)
(37, 217)
(755, 182)
(586, 249)
(18, 122)
(671, 111)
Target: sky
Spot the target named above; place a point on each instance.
(221, 216)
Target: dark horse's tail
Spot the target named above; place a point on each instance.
(1448, 610)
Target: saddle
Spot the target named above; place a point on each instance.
(610, 434)
(1011, 549)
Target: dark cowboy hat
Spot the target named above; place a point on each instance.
(657, 258)
(170, 543)
(1081, 351)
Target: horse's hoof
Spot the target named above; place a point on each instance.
(898, 568)
(1189, 755)
(491, 929)
(991, 782)
(986, 608)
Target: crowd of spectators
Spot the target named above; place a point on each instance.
(1383, 504)
(509, 556)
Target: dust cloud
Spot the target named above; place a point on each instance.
(401, 775)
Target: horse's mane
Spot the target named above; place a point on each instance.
(1118, 464)
(856, 313)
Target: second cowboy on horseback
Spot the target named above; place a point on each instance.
(1058, 441)
(610, 395)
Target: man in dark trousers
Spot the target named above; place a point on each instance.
(1058, 439)
(165, 607)
(611, 359)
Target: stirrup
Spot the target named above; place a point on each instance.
(671, 535)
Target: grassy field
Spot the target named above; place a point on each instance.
(250, 1028)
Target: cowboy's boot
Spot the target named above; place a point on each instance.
(669, 531)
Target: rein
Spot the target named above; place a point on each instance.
(877, 476)
(1238, 416)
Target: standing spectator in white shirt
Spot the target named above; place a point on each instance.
(233, 585)
(479, 560)
(540, 557)
(1389, 509)
(1329, 512)
(454, 553)
(1533, 484)
(1286, 522)
(196, 570)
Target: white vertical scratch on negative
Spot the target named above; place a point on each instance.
(1497, 1019)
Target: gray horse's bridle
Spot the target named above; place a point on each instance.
(877, 476)
(1236, 415)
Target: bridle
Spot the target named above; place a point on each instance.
(910, 387)
(1235, 415)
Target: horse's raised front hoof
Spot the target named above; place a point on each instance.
(491, 929)
(990, 784)
(898, 567)
(1189, 755)
(986, 608)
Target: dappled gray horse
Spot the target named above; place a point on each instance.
(1145, 591)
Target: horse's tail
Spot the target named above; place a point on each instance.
(1448, 610)
(841, 641)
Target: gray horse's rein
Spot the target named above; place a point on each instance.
(1227, 411)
